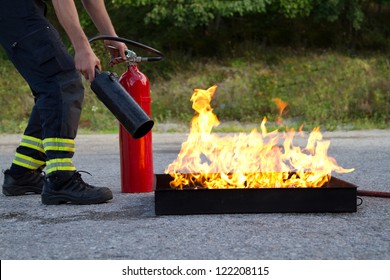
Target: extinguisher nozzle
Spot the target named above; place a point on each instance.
(143, 129)
(127, 111)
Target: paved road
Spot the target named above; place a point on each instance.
(127, 227)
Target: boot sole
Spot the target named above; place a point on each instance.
(64, 199)
(21, 190)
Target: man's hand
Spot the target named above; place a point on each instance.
(117, 51)
(86, 61)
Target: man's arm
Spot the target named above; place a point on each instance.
(98, 13)
(85, 58)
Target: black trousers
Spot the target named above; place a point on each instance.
(37, 51)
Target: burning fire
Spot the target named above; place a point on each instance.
(248, 160)
(281, 106)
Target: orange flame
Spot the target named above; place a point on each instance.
(252, 160)
(281, 106)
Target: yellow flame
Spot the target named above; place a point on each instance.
(248, 160)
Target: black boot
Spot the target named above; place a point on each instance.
(29, 182)
(69, 187)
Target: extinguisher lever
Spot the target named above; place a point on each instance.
(132, 58)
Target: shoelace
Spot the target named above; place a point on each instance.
(77, 177)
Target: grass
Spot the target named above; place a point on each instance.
(327, 89)
(322, 88)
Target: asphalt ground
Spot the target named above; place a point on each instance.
(127, 228)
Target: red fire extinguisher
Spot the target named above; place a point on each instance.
(136, 156)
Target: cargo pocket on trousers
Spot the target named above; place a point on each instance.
(52, 59)
(43, 50)
(47, 62)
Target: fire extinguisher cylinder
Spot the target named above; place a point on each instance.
(127, 111)
(128, 98)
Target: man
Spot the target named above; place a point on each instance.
(36, 50)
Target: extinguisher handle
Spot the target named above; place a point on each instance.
(113, 76)
(133, 43)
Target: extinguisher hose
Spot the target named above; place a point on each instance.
(132, 43)
(373, 193)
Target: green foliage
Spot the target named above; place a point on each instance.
(193, 13)
(293, 9)
(209, 27)
(190, 14)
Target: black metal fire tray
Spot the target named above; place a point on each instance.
(336, 196)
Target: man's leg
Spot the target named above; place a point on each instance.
(25, 174)
(44, 62)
